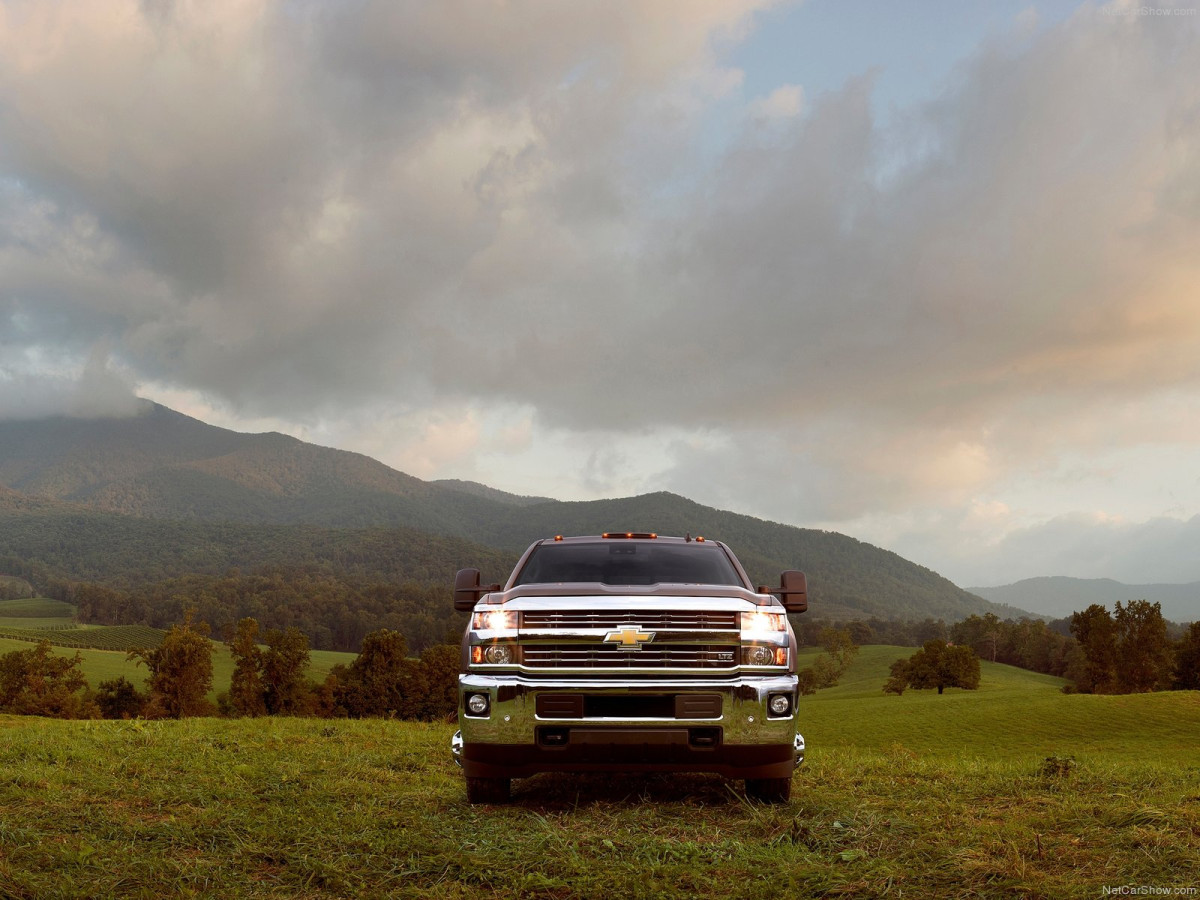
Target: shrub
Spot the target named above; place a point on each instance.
(35, 682)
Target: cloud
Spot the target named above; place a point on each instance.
(96, 391)
(785, 102)
(334, 214)
(286, 207)
(1157, 551)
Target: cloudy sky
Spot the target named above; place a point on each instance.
(925, 273)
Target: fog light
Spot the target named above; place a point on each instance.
(478, 704)
(759, 656)
(498, 654)
(780, 705)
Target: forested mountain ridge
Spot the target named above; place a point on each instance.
(163, 464)
(1059, 596)
(161, 495)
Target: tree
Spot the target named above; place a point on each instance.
(980, 632)
(936, 665)
(1146, 658)
(898, 681)
(1187, 660)
(860, 632)
(283, 663)
(827, 668)
(36, 682)
(1096, 632)
(181, 671)
(432, 689)
(246, 686)
(117, 698)
(373, 684)
(840, 646)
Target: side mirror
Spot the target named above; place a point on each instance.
(793, 591)
(468, 590)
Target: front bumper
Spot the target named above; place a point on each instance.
(722, 726)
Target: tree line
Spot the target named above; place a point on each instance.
(334, 613)
(269, 678)
(1130, 651)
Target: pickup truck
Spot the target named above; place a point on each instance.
(628, 652)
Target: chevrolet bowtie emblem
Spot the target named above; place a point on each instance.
(629, 638)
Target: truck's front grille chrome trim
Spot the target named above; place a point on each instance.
(674, 656)
(695, 620)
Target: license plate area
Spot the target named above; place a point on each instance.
(633, 738)
(628, 706)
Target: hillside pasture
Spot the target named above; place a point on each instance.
(914, 796)
(95, 637)
(39, 607)
(1013, 714)
(38, 612)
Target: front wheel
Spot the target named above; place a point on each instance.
(488, 790)
(769, 790)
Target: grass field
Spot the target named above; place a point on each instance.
(40, 612)
(912, 796)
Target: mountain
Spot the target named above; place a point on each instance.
(162, 464)
(482, 490)
(113, 485)
(1059, 596)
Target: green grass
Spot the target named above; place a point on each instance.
(39, 612)
(40, 607)
(913, 796)
(1013, 714)
(24, 623)
(102, 637)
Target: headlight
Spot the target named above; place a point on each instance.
(494, 620)
(477, 704)
(498, 654)
(764, 655)
(758, 656)
(760, 622)
(780, 704)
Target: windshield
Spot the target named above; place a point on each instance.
(628, 562)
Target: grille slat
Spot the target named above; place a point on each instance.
(700, 620)
(678, 656)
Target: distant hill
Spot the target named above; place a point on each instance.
(1059, 596)
(66, 477)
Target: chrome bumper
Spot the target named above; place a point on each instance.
(740, 734)
(456, 749)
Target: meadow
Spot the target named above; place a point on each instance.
(1015, 790)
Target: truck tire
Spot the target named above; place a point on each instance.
(769, 790)
(488, 790)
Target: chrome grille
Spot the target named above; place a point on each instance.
(685, 619)
(591, 656)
